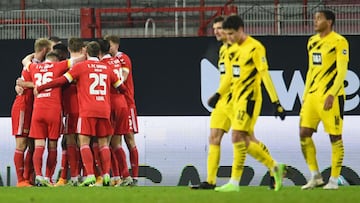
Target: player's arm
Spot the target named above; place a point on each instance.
(27, 84)
(27, 60)
(342, 59)
(225, 83)
(125, 73)
(117, 83)
(66, 78)
(261, 64)
(308, 76)
(24, 81)
(19, 90)
(224, 86)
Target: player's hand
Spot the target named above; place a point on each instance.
(35, 91)
(19, 82)
(279, 110)
(19, 90)
(122, 88)
(212, 101)
(328, 102)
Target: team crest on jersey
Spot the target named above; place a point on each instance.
(317, 58)
(263, 59)
(222, 68)
(236, 71)
(344, 51)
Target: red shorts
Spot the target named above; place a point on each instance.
(71, 121)
(119, 120)
(99, 127)
(133, 122)
(119, 114)
(20, 120)
(46, 124)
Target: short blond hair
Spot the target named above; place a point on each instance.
(42, 43)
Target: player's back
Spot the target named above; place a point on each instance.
(43, 73)
(93, 87)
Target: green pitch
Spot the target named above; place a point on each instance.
(174, 194)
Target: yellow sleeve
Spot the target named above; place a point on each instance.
(342, 59)
(261, 64)
(308, 75)
(225, 82)
(307, 83)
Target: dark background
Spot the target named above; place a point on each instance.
(166, 71)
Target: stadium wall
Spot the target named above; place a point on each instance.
(173, 79)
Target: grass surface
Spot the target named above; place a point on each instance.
(174, 194)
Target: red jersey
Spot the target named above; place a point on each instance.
(93, 87)
(115, 64)
(126, 66)
(25, 100)
(70, 101)
(43, 73)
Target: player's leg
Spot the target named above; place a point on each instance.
(105, 158)
(64, 166)
(309, 152)
(266, 150)
(309, 120)
(72, 147)
(29, 173)
(131, 145)
(220, 122)
(333, 124)
(51, 159)
(239, 150)
(72, 150)
(115, 171)
(21, 144)
(133, 153)
(87, 159)
(17, 118)
(103, 131)
(21, 120)
(261, 155)
(53, 128)
(213, 158)
(38, 161)
(337, 155)
(121, 159)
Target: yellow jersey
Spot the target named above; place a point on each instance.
(328, 64)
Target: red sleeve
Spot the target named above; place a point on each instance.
(125, 61)
(55, 83)
(25, 74)
(122, 88)
(64, 65)
(117, 83)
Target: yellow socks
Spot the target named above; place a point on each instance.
(213, 163)
(259, 153)
(337, 156)
(309, 151)
(238, 161)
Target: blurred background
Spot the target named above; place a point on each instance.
(30, 19)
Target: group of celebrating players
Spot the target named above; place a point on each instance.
(89, 98)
